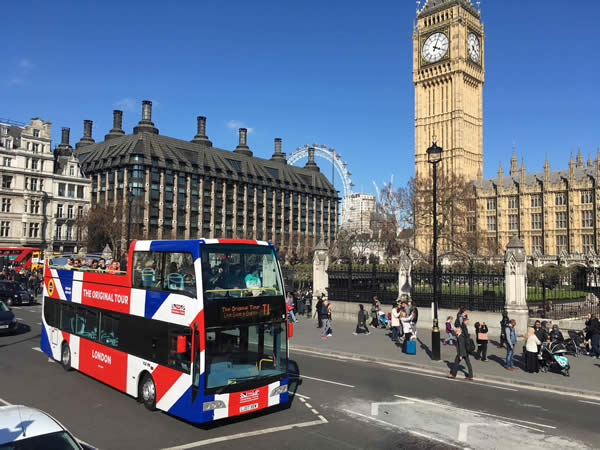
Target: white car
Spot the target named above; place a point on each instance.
(25, 428)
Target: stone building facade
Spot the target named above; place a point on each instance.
(42, 191)
(552, 212)
(357, 212)
(191, 189)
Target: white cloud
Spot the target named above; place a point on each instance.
(25, 64)
(16, 82)
(126, 104)
(235, 124)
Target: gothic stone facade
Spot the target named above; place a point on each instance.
(191, 189)
(552, 212)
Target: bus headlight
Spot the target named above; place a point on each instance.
(279, 390)
(216, 404)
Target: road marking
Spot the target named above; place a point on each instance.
(4, 402)
(295, 394)
(37, 349)
(423, 371)
(327, 381)
(441, 405)
(232, 437)
(375, 406)
(590, 403)
(308, 405)
(452, 379)
(463, 430)
(39, 323)
(18, 318)
(415, 433)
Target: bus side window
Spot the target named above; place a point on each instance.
(68, 318)
(51, 313)
(109, 330)
(180, 350)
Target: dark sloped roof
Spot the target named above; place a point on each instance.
(533, 178)
(432, 6)
(175, 154)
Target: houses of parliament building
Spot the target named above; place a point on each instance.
(553, 212)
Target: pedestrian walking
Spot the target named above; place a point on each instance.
(461, 355)
(318, 308)
(396, 323)
(450, 339)
(330, 316)
(324, 319)
(406, 329)
(593, 326)
(374, 312)
(362, 320)
(511, 341)
(414, 315)
(503, 324)
(481, 333)
(460, 315)
(531, 351)
(290, 306)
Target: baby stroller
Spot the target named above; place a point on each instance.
(552, 358)
(575, 345)
(382, 320)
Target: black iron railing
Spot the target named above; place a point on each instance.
(475, 291)
(350, 283)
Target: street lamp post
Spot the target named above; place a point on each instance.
(130, 198)
(434, 156)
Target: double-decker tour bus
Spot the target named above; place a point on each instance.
(20, 257)
(195, 328)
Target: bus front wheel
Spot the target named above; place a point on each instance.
(148, 393)
(65, 356)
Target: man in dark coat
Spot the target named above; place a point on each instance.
(461, 355)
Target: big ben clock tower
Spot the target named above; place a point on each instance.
(448, 74)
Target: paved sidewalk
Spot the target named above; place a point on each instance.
(378, 346)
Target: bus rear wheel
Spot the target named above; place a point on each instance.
(148, 393)
(65, 357)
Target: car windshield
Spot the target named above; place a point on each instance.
(245, 353)
(239, 270)
(3, 307)
(55, 441)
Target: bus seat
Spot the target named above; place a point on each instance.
(147, 277)
(175, 282)
(80, 325)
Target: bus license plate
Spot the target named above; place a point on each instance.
(249, 407)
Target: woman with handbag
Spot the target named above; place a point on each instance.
(482, 341)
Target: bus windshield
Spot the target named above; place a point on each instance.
(239, 270)
(243, 354)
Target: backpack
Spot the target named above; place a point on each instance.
(365, 315)
(457, 323)
(470, 345)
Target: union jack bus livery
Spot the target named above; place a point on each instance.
(194, 328)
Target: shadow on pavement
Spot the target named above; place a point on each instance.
(26, 330)
(425, 347)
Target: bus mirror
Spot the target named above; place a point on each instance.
(290, 329)
(181, 344)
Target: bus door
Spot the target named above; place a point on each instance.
(196, 364)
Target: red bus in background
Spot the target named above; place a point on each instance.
(20, 258)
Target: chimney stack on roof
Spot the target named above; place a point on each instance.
(117, 129)
(64, 138)
(64, 147)
(87, 135)
(201, 137)
(146, 124)
(242, 145)
(278, 155)
(310, 164)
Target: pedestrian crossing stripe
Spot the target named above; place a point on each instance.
(50, 287)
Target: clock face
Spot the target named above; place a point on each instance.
(435, 47)
(473, 47)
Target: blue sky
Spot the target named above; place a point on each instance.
(336, 73)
